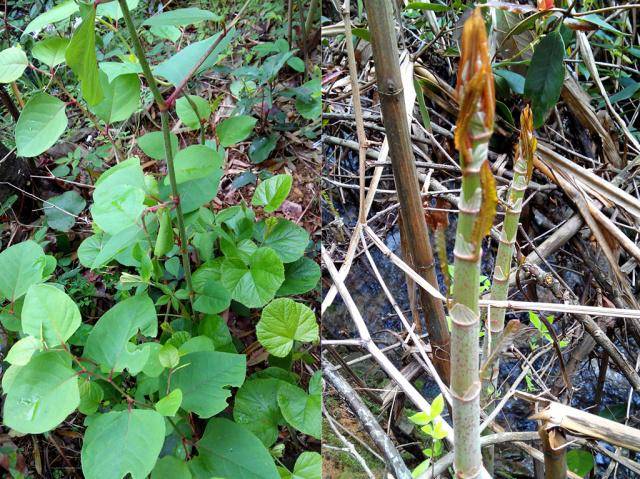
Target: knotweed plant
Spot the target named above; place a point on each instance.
(475, 90)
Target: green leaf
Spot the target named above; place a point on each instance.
(128, 172)
(296, 63)
(598, 21)
(301, 410)
(215, 328)
(152, 144)
(176, 68)
(182, 17)
(109, 341)
(284, 321)
(171, 467)
(121, 98)
(255, 284)
(212, 298)
(286, 238)
(50, 51)
(545, 76)
(114, 69)
(61, 211)
(256, 407)
(22, 350)
(580, 462)
(122, 442)
(21, 266)
(272, 192)
(300, 277)
(235, 129)
(169, 356)
(434, 7)
(81, 56)
(117, 208)
(308, 466)
(113, 10)
(196, 162)
(168, 32)
(42, 394)
(13, 62)
(228, 450)
(309, 99)
(195, 193)
(169, 405)
(362, 34)
(204, 378)
(49, 314)
(187, 114)
(42, 121)
(58, 13)
(262, 147)
(437, 406)
(91, 395)
(514, 80)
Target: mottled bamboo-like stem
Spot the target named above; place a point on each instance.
(522, 167)
(477, 204)
(386, 56)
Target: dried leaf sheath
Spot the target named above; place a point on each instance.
(474, 127)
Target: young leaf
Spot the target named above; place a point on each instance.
(169, 405)
(256, 407)
(169, 356)
(41, 123)
(49, 314)
(235, 129)
(308, 466)
(186, 113)
(122, 442)
(301, 410)
(170, 467)
(225, 450)
(164, 240)
(255, 284)
(272, 192)
(545, 76)
(284, 321)
(42, 394)
(13, 62)
(21, 266)
(50, 51)
(91, 395)
(81, 56)
(22, 350)
(204, 377)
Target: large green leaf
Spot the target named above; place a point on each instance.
(176, 68)
(307, 466)
(255, 284)
(128, 172)
(21, 266)
(580, 462)
(41, 123)
(196, 162)
(229, 450)
(50, 51)
(121, 98)
(190, 117)
(182, 17)
(152, 144)
(301, 410)
(286, 238)
(42, 394)
(122, 442)
(256, 407)
(22, 350)
(61, 211)
(211, 298)
(299, 277)
(81, 56)
(49, 314)
(117, 208)
(13, 62)
(272, 192)
(195, 193)
(99, 249)
(235, 129)
(204, 378)
(284, 321)
(109, 341)
(545, 76)
(170, 467)
(58, 13)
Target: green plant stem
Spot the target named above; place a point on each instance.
(164, 117)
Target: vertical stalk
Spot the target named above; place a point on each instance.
(554, 445)
(522, 167)
(474, 127)
(312, 17)
(386, 55)
(164, 116)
